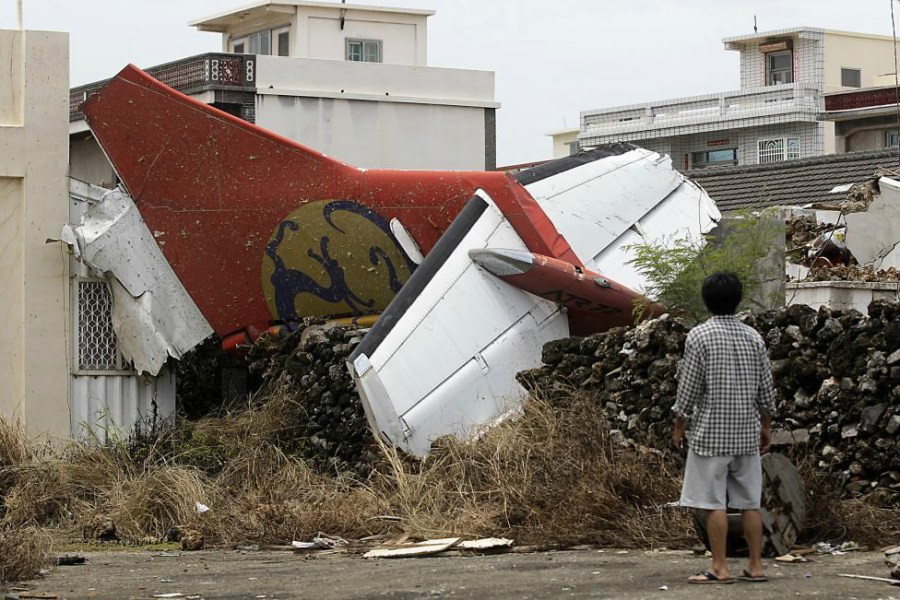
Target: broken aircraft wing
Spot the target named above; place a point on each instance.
(442, 359)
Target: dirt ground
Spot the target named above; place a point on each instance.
(570, 574)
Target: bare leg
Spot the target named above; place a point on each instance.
(753, 531)
(717, 529)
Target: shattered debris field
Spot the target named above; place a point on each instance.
(570, 574)
(584, 462)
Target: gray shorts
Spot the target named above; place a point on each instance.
(711, 482)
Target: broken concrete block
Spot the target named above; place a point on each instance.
(893, 425)
(870, 417)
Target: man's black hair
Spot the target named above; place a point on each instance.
(722, 293)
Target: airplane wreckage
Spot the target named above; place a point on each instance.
(235, 229)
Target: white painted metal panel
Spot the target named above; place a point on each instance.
(449, 364)
(108, 406)
(153, 315)
(594, 204)
(687, 213)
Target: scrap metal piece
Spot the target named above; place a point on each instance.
(152, 314)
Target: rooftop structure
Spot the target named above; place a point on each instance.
(773, 117)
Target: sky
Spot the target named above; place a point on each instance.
(552, 58)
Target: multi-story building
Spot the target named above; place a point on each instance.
(774, 116)
(865, 119)
(351, 81)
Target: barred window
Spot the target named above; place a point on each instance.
(778, 149)
(97, 348)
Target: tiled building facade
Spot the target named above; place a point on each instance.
(774, 116)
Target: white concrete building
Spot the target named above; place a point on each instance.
(61, 371)
(774, 116)
(35, 336)
(348, 80)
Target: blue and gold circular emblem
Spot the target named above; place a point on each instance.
(332, 258)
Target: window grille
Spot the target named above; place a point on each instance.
(777, 150)
(771, 151)
(97, 348)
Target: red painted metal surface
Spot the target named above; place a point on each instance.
(594, 302)
(261, 229)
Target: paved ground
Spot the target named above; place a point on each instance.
(581, 574)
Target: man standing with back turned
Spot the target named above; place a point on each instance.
(726, 399)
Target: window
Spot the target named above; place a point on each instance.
(283, 41)
(778, 149)
(260, 42)
(96, 349)
(574, 147)
(891, 137)
(851, 77)
(714, 158)
(779, 67)
(238, 47)
(364, 50)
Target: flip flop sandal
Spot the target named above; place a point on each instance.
(710, 578)
(748, 577)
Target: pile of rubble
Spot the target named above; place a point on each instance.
(837, 377)
(309, 367)
(866, 274)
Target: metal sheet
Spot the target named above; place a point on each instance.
(152, 314)
(464, 337)
(108, 407)
(603, 206)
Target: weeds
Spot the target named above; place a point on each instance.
(552, 476)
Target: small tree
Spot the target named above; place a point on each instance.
(675, 269)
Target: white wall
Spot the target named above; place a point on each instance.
(391, 82)
(34, 338)
(316, 33)
(378, 115)
(561, 141)
(873, 56)
(388, 135)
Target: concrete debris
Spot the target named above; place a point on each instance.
(892, 559)
(837, 394)
(873, 236)
(426, 548)
(320, 542)
(485, 544)
(856, 240)
(153, 316)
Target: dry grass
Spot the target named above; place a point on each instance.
(551, 476)
(23, 553)
(868, 521)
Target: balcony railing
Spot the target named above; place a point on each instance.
(211, 71)
(748, 103)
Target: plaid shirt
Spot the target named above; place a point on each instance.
(724, 385)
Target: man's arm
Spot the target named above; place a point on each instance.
(765, 400)
(691, 385)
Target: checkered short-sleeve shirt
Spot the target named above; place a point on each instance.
(724, 386)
